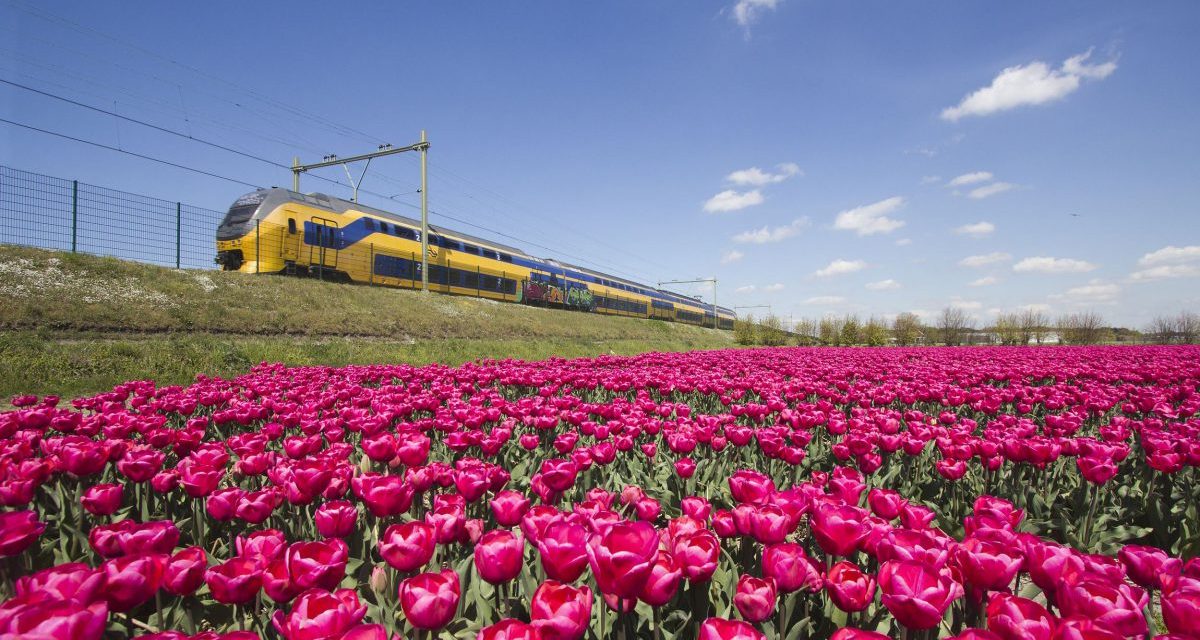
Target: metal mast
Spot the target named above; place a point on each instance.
(384, 150)
(716, 320)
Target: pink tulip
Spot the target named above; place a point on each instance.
(1148, 566)
(102, 499)
(563, 548)
(560, 611)
(408, 546)
(73, 582)
(509, 629)
(1014, 618)
(234, 581)
(184, 571)
(621, 558)
(663, 582)
(791, 568)
(849, 588)
(755, 597)
(1181, 606)
(1115, 607)
(838, 529)
(131, 580)
(697, 554)
(916, 595)
(317, 564)
(722, 629)
(430, 600)
(509, 507)
(58, 620)
(498, 556)
(336, 519)
(18, 531)
(318, 614)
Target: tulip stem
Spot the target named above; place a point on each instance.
(1094, 490)
(158, 613)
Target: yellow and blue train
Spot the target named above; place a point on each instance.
(278, 231)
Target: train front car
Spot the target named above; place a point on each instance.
(234, 235)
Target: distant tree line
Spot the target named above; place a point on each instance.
(955, 327)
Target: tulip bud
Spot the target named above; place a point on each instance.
(379, 579)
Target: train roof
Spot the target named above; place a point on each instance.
(341, 206)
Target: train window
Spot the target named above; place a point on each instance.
(405, 232)
(488, 253)
(504, 257)
(370, 224)
(470, 248)
(291, 225)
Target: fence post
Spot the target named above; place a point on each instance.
(74, 213)
(371, 266)
(257, 246)
(178, 233)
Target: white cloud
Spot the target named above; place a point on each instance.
(732, 256)
(747, 12)
(839, 267)
(976, 230)
(966, 305)
(903, 242)
(825, 300)
(769, 234)
(985, 191)
(746, 289)
(1032, 84)
(1036, 306)
(883, 285)
(1171, 255)
(930, 179)
(984, 281)
(755, 177)
(778, 286)
(985, 259)
(872, 218)
(1166, 271)
(1043, 264)
(730, 200)
(970, 178)
(1094, 292)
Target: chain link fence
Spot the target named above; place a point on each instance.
(54, 213)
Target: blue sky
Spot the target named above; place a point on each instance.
(817, 156)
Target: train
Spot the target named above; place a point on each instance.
(279, 231)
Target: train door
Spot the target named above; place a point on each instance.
(323, 239)
(290, 244)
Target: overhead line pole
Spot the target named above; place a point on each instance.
(716, 319)
(384, 150)
(424, 213)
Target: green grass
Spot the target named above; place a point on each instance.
(72, 324)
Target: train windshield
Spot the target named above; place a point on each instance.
(244, 208)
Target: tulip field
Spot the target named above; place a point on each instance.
(1042, 493)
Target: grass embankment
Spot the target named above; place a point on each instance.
(72, 324)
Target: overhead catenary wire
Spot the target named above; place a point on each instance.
(129, 153)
